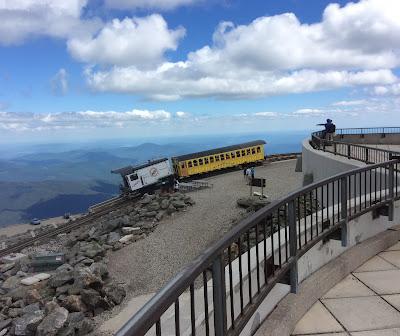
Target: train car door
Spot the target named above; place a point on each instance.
(134, 181)
(183, 168)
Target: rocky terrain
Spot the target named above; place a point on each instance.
(63, 301)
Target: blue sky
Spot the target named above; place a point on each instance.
(111, 68)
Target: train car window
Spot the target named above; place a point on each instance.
(258, 149)
(190, 165)
(222, 157)
(216, 158)
(243, 152)
(211, 159)
(238, 154)
(183, 165)
(200, 162)
(232, 155)
(248, 151)
(133, 177)
(205, 160)
(253, 151)
(195, 163)
(227, 156)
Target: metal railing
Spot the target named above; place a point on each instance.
(219, 291)
(368, 130)
(354, 151)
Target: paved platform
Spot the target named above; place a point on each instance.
(365, 303)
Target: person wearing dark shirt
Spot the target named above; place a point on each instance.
(329, 131)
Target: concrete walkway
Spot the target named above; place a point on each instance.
(365, 303)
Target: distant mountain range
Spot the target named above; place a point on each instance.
(48, 180)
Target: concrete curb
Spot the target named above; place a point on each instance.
(291, 309)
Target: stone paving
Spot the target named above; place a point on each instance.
(365, 303)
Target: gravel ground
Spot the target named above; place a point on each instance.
(149, 263)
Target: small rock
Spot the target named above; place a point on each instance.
(99, 269)
(60, 278)
(35, 279)
(84, 278)
(178, 204)
(94, 300)
(53, 322)
(31, 308)
(32, 296)
(164, 204)
(27, 324)
(14, 312)
(113, 237)
(115, 292)
(117, 246)
(74, 303)
(126, 239)
(11, 283)
(6, 267)
(131, 230)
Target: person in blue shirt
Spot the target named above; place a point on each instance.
(330, 129)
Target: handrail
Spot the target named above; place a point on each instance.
(272, 240)
(360, 152)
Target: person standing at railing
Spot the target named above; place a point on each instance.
(330, 129)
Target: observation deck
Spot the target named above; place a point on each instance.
(264, 275)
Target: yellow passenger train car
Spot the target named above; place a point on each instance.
(219, 158)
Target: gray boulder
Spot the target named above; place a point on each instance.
(94, 300)
(164, 204)
(178, 204)
(154, 206)
(53, 322)
(115, 292)
(113, 237)
(84, 278)
(99, 269)
(74, 303)
(27, 324)
(61, 278)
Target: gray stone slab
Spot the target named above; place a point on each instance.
(382, 332)
(363, 313)
(349, 287)
(317, 320)
(393, 299)
(381, 282)
(395, 247)
(375, 264)
(391, 256)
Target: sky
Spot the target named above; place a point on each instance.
(103, 69)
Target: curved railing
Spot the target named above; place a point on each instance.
(355, 151)
(219, 291)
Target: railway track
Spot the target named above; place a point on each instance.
(103, 209)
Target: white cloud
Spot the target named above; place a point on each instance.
(59, 83)
(350, 102)
(266, 114)
(83, 119)
(153, 4)
(309, 111)
(181, 114)
(354, 45)
(392, 90)
(23, 19)
(131, 41)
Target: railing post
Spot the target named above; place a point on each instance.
(323, 145)
(391, 191)
(294, 281)
(343, 209)
(219, 296)
(334, 148)
(348, 151)
(366, 155)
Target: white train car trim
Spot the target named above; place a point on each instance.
(148, 174)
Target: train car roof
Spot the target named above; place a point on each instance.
(219, 150)
(130, 169)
